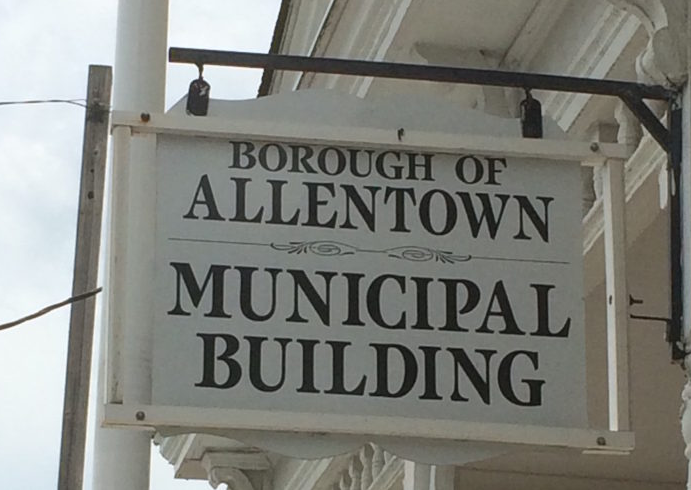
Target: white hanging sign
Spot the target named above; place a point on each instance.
(346, 282)
(350, 280)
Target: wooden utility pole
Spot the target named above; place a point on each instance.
(78, 372)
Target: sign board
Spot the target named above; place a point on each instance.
(297, 277)
(375, 289)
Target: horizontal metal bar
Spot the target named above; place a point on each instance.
(419, 72)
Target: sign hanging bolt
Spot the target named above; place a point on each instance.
(145, 117)
(140, 416)
(594, 146)
(601, 441)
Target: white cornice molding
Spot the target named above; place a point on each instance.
(234, 468)
(313, 474)
(390, 476)
(603, 47)
(367, 35)
(664, 59)
(532, 36)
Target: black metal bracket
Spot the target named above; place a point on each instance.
(632, 94)
(676, 345)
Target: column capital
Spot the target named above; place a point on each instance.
(663, 61)
(237, 470)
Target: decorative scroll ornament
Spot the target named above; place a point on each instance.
(234, 478)
(320, 247)
(412, 253)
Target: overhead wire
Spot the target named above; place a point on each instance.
(48, 309)
(77, 102)
(73, 299)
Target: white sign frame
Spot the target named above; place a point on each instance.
(126, 368)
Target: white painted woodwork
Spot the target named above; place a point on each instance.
(121, 459)
(604, 42)
(573, 151)
(617, 295)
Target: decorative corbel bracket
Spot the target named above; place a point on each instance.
(238, 470)
(663, 61)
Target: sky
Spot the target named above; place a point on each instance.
(45, 49)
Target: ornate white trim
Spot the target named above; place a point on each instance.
(664, 59)
(608, 38)
(533, 34)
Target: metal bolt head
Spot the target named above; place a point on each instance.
(145, 117)
(601, 441)
(594, 146)
(140, 415)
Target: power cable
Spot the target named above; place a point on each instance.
(77, 102)
(48, 309)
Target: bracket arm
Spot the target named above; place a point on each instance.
(648, 119)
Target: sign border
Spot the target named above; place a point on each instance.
(149, 416)
(121, 410)
(587, 154)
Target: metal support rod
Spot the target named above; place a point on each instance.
(631, 93)
(431, 73)
(648, 119)
(675, 326)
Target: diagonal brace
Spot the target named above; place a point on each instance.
(649, 120)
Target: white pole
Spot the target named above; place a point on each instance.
(121, 457)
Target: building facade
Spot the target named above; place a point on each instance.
(637, 40)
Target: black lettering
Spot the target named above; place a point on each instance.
(478, 169)
(399, 205)
(209, 358)
(542, 293)
(215, 276)
(479, 382)
(323, 160)
(374, 302)
(487, 215)
(302, 159)
(241, 202)
(504, 312)
(426, 166)
(321, 305)
(506, 383)
(265, 159)
(204, 196)
(313, 204)
(338, 371)
(366, 213)
(256, 364)
(238, 153)
(307, 366)
(452, 311)
(409, 371)
(246, 306)
(450, 213)
(277, 205)
(541, 224)
(430, 365)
